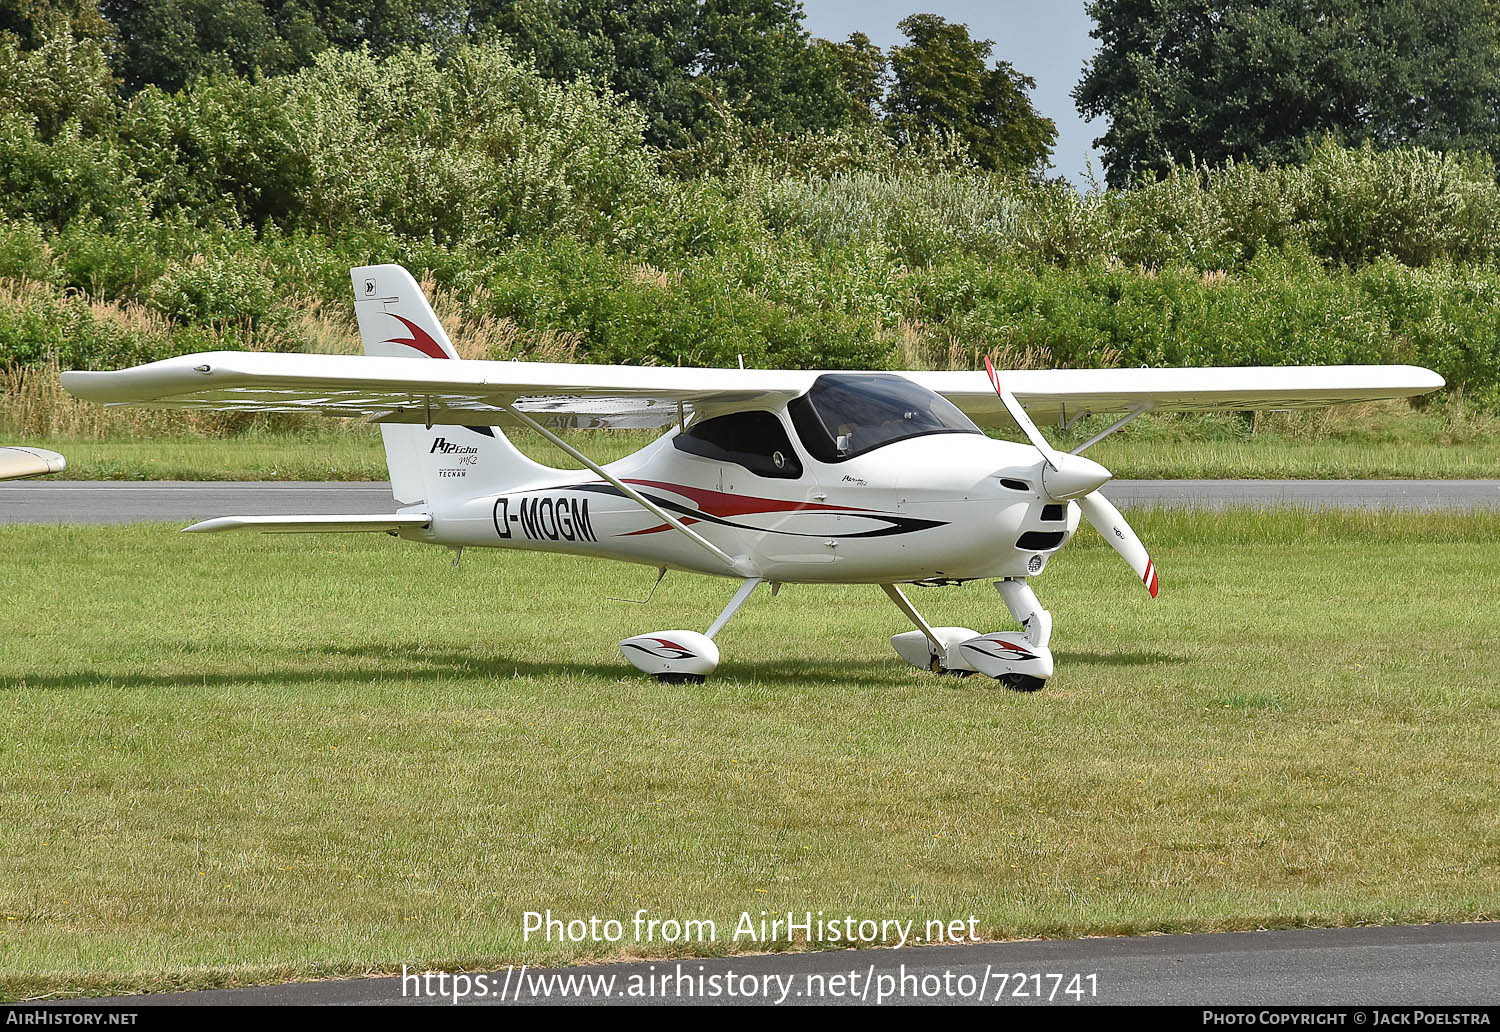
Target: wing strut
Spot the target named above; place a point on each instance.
(739, 567)
(1117, 425)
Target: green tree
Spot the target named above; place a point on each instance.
(63, 80)
(863, 73)
(644, 49)
(680, 60)
(943, 82)
(35, 21)
(759, 57)
(1184, 80)
(168, 43)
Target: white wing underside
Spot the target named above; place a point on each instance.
(415, 390)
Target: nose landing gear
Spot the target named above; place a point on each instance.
(1022, 662)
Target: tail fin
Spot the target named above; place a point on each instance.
(443, 462)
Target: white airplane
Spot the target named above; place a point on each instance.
(766, 476)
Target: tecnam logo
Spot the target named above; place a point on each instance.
(447, 447)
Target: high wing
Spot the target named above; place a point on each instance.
(1054, 395)
(408, 390)
(414, 390)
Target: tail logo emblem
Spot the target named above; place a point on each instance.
(419, 339)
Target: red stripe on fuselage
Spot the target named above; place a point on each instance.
(687, 521)
(717, 503)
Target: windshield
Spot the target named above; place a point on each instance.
(848, 414)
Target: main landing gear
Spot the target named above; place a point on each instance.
(1021, 662)
(683, 657)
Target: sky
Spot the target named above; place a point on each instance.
(1045, 39)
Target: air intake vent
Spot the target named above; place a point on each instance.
(1054, 514)
(1015, 485)
(1040, 540)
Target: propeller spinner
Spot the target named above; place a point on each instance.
(1067, 477)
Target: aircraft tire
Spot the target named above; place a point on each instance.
(1022, 682)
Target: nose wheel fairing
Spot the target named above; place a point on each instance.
(1019, 660)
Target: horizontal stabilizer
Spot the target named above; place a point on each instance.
(313, 524)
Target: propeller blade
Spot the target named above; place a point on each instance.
(1070, 476)
(1023, 421)
(1106, 519)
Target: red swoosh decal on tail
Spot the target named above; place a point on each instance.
(419, 339)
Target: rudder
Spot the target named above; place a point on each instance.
(429, 464)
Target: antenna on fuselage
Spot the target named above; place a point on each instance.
(660, 573)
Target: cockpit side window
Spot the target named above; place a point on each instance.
(754, 440)
(848, 414)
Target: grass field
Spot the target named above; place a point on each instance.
(248, 759)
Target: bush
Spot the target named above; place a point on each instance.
(64, 81)
(475, 148)
(24, 254)
(223, 150)
(1412, 204)
(213, 291)
(229, 213)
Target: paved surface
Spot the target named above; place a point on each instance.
(83, 501)
(63, 501)
(1393, 966)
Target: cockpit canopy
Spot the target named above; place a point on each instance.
(848, 414)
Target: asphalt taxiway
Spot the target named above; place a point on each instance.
(73, 501)
(1453, 964)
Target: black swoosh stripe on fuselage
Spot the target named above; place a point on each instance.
(898, 524)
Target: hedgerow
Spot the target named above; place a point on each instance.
(221, 215)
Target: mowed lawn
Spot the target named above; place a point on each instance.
(1369, 442)
(239, 759)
